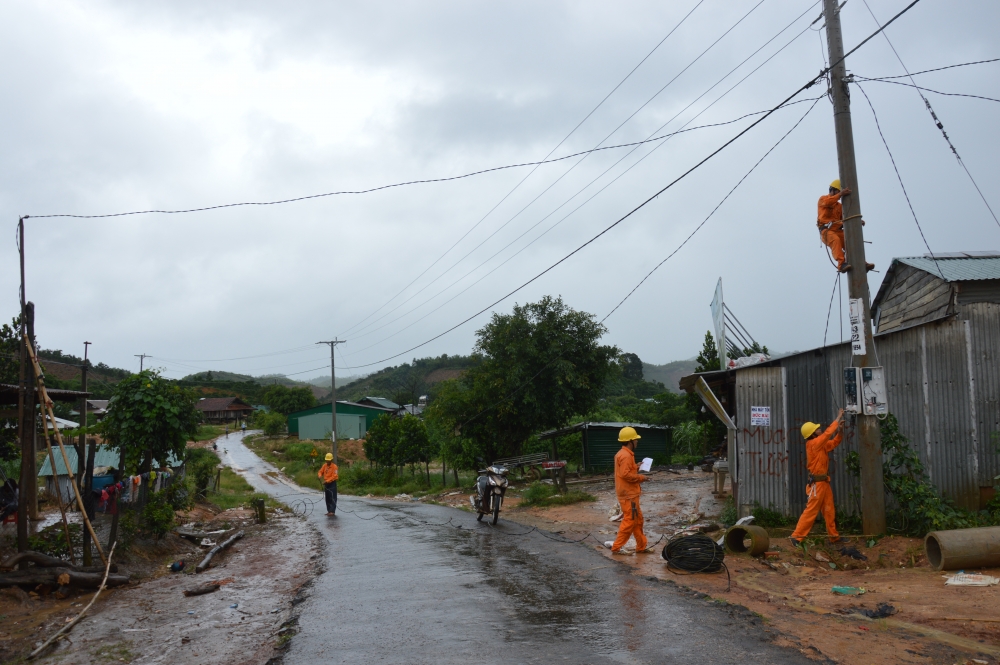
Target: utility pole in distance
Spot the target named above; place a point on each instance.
(869, 438)
(141, 357)
(333, 395)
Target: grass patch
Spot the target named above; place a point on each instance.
(206, 432)
(115, 653)
(234, 491)
(543, 494)
(768, 517)
(685, 459)
(295, 460)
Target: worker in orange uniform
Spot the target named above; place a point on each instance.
(328, 475)
(818, 447)
(830, 220)
(627, 487)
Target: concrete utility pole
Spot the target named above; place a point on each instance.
(141, 357)
(333, 395)
(869, 439)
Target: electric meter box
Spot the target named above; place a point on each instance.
(864, 391)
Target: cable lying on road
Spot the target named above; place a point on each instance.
(696, 553)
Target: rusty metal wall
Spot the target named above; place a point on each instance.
(942, 384)
(762, 451)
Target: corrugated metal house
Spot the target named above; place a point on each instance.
(938, 338)
(316, 426)
(370, 413)
(600, 442)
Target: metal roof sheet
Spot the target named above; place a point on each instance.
(958, 268)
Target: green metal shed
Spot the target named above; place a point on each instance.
(347, 408)
(600, 442)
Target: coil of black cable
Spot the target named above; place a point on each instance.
(696, 553)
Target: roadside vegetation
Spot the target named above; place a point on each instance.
(544, 494)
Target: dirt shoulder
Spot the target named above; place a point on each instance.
(151, 621)
(932, 624)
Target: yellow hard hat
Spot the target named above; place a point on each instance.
(809, 429)
(627, 434)
(329, 456)
(835, 184)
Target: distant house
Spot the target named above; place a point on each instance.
(96, 410)
(379, 402)
(317, 420)
(220, 410)
(105, 462)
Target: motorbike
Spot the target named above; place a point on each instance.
(490, 489)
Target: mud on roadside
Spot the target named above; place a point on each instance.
(249, 620)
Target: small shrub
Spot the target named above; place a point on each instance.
(201, 464)
(157, 516)
(179, 494)
(128, 530)
(768, 517)
(52, 540)
(729, 515)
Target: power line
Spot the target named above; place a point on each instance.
(937, 92)
(927, 104)
(557, 180)
(725, 145)
(900, 178)
(528, 175)
(588, 185)
(704, 221)
(936, 69)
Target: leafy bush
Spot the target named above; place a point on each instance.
(52, 540)
(179, 494)
(768, 517)
(201, 464)
(273, 424)
(920, 508)
(157, 516)
(729, 514)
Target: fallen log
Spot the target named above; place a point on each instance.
(196, 536)
(37, 558)
(215, 550)
(51, 577)
(202, 590)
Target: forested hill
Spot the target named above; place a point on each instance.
(404, 384)
(669, 374)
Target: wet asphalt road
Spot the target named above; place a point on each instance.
(397, 590)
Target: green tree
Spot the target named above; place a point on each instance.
(413, 443)
(10, 363)
(148, 414)
(538, 367)
(285, 400)
(708, 359)
(272, 423)
(380, 441)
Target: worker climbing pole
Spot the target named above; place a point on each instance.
(869, 439)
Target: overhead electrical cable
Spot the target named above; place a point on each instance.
(930, 110)
(758, 67)
(705, 221)
(559, 179)
(918, 87)
(528, 175)
(936, 69)
(899, 177)
(608, 184)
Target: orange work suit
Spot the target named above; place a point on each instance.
(627, 480)
(819, 492)
(830, 220)
(328, 472)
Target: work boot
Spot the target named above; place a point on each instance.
(795, 542)
(834, 541)
(844, 268)
(870, 266)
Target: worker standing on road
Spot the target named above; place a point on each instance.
(818, 447)
(328, 474)
(627, 487)
(830, 220)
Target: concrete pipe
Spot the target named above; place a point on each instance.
(737, 536)
(963, 549)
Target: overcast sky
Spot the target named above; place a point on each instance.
(111, 107)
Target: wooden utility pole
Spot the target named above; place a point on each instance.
(141, 357)
(869, 439)
(333, 395)
(24, 398)
(85, 468)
